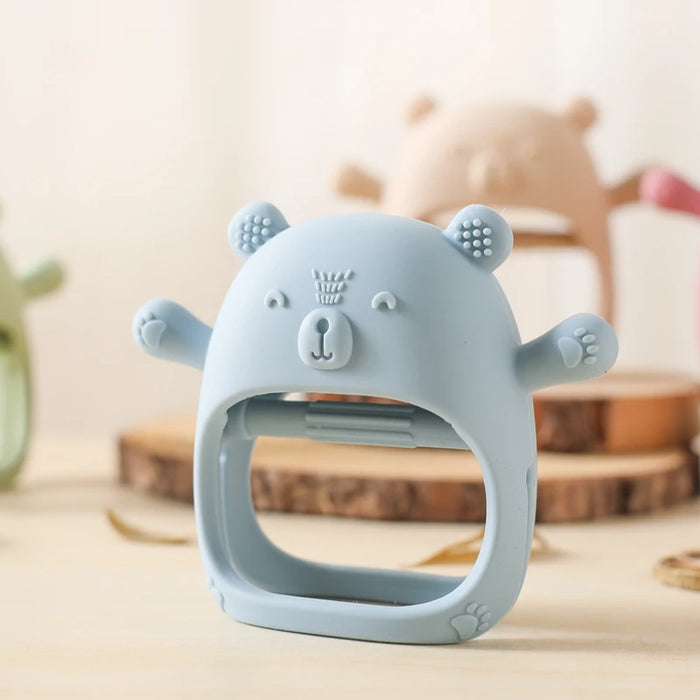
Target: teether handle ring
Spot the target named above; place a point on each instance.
(386, 425)
(257, 583)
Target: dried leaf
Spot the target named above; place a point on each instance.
(466, 551)
(681, 570)
(135, 534)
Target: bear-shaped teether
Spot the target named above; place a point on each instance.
(387, 307)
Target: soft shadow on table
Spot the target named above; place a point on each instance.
(635, 631)
(80, 494)
(56, 496)
(577, 646)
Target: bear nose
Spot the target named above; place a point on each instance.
(325, 339)
(490, 172)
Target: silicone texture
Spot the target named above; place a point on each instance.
(387, 307)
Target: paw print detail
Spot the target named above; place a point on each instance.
(475, 237)
(474, 620)
(149, 330)
(218, 595)
(579, 348)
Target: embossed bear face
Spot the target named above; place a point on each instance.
(343, 303)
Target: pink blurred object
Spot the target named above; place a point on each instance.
(669, 191)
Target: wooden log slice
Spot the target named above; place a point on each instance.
(411, 484)
(620, 412)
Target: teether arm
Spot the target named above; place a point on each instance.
(355, 182)
(167, 330)
(582, 347)
(627, 191)
(42, 279)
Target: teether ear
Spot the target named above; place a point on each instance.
(253, 226)
(482, 235)
(580, 113)
(418, 109)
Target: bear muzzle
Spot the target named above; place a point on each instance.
(325, 339)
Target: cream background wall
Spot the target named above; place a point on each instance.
(130, 132)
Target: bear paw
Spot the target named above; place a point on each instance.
(217, 594)
(474, 620)
(148, 330)
(581, 347)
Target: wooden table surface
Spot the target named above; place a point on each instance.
(86, 613)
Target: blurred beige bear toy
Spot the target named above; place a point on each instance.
(511, 157)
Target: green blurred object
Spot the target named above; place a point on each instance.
(15, 370)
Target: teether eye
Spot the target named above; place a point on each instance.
(384, 301)
(275, 298)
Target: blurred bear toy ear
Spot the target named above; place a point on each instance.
(253, 226)
(419, 108)
(580, 113)
(481, 235)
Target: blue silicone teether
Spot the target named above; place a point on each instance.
(382, 306)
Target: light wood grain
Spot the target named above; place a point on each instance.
(87, 614)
